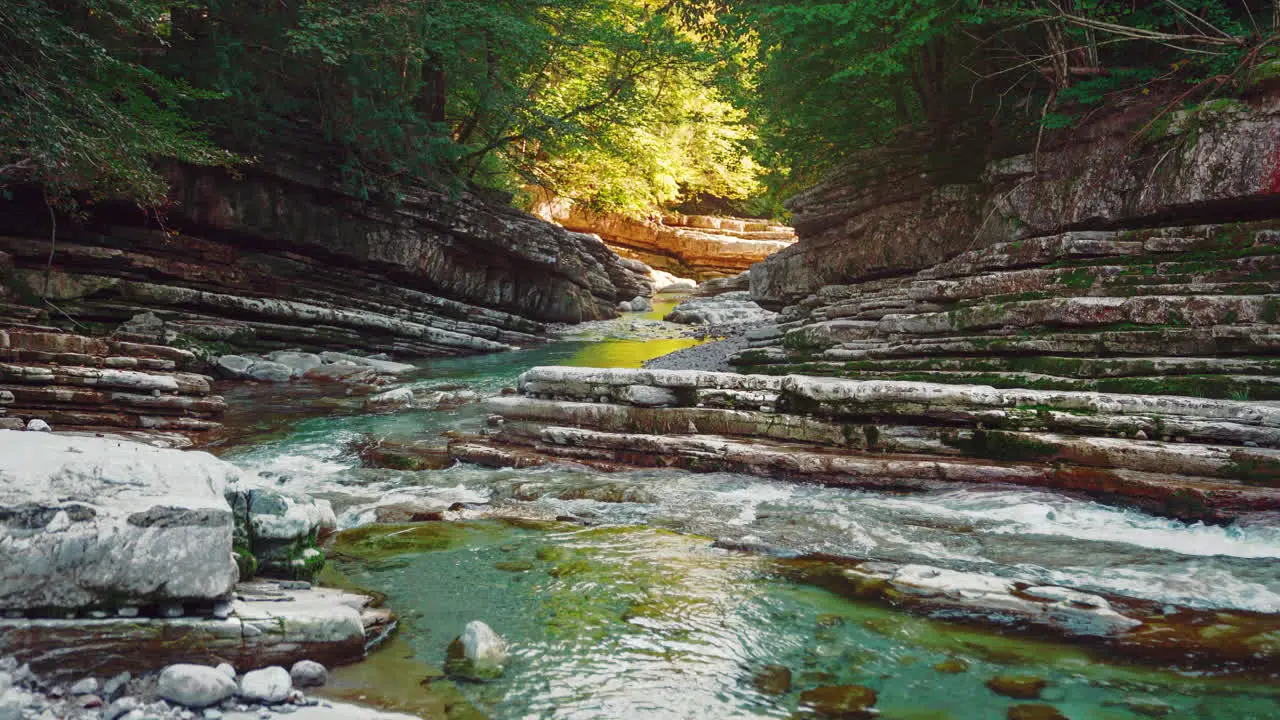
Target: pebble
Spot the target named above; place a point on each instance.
(37, 425)
(112, 688)
(87, 686)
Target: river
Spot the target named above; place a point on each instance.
(630, 595)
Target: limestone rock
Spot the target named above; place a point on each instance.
(390, 401)
(268, 371)
(269, 685)
(139, 524)
(477, 654)
(194, 686)
(732, 308)
(308, 673)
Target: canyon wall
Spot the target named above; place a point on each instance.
(1134, 256)
(694, 246)
(277, 258)
(895, 211)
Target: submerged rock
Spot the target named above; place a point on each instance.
(478, 653)
(773, 680)
(1019, 687)
(1035, 712)
(194, 686)
(840, 701)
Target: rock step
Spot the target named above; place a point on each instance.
(73, 381)
(1220, 340)
(1187, 457)
(72, 398)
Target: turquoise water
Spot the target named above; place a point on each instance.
(622, 622)
(642, 615)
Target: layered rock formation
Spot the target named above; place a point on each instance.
(275, 261)
(1215, 460)
(1171, 311)
(74, 382)
(694, 246)
(897, 210)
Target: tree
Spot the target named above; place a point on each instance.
(79, 112)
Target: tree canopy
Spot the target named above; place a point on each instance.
(626, 105)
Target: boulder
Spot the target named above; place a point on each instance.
(268, 371)
(87, 521)
(297, 362)
(478, 653)
(194, 686)
(390, 401)
(279, 530)
(269, 685)
(235, 367)
(308, 673)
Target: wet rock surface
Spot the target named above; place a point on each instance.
(904, 435)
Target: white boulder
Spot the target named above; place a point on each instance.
(194, 686)
(308, 673)
(390, 401)
(269, 685)
(135, 524)
(478, 653)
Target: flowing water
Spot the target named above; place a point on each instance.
(635, 609)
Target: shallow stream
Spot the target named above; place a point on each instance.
(630, 605)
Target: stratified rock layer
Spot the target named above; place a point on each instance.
(1191, 311)
(74, 382)
(695, 246)
(279, 261)
(1220, 460)
(897, 210)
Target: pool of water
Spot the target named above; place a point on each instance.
(643, 614)
(635, 621)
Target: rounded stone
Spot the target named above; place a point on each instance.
(38, 425)
(268, 685)
(308, 673)
(194, 686)
(227, 669)
(87, 686)
(1019, 687)
(478, 653)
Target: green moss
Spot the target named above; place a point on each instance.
(1078, 279)
(1000, 445)
(1255, 470)
(380, 542)
(245, 561)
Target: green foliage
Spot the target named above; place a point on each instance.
(79, 112)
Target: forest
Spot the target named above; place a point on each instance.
(625, 105)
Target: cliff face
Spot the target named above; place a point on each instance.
(888, 213)
(273, 260)
(693, 246)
